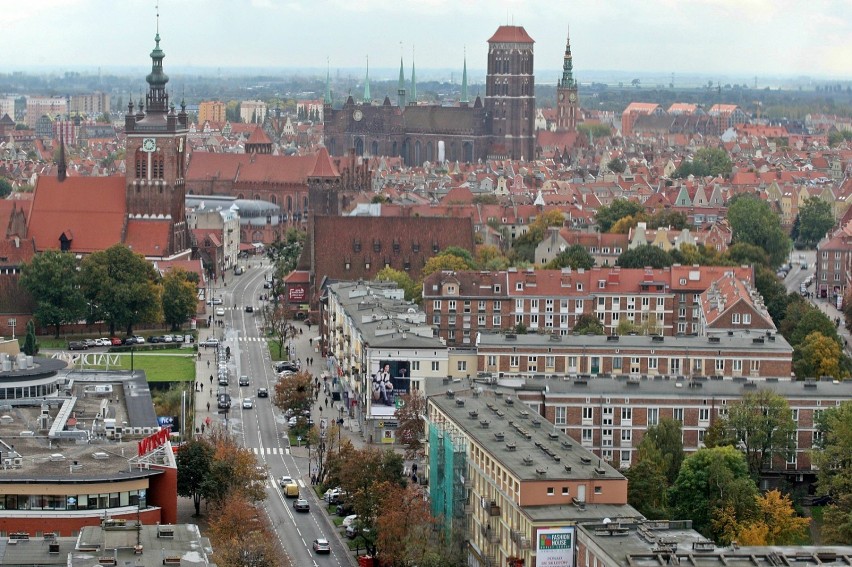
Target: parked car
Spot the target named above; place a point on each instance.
(155, 339)
(267, 285)
(347, 521)
(89, 343)
(115, 341)
(262, 393)
(214, 301)
(249, 309)
(344, 509)
(168, 339)
(220, 311)
(286, 365)
(353, 531)
(209, 343)
(321, 545)
(139, 339)
(301, 505)
(129, 341)
(248, 403)
(77, 345)
(103, 342)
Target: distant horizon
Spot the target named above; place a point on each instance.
(704, 38)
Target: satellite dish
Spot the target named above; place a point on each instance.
(607, 521)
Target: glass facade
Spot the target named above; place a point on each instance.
(74, 502)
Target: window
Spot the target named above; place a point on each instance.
(625, 457)
(652, 363)
(533, 304)
(550, 491)
(436, 365)
(607, 415)
(746, 318)
(415, 365)
(514, 361)
(565, 491)
(626, 414)
(601, 302)
(626, 436)
(738, 365)
(519, 286)
(461, 365)
(653, 416)
(588, 413)
(586, 436)
(661, 303)
(451, 305)
(677, 414)
(497, 306)
(492, 360)
(598, 490)
(549, 362)
(795, 414)
(703, 414)
(467, 306)
(616, 363)
(720, 364)
(561, 417)
(519, 305)
(495, 320)
(578, 306)
(702, 433)
(755, 366)
(579, 286)
(481, 306)
(436, 305)
(480, 320)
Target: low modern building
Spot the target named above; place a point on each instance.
(378, 348)
(78, 446)
(112, 542)
(504, 480)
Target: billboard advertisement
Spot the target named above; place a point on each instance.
(169, 421)
(390, 379)
(554, 547)
(297, 293)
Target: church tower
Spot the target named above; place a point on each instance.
(510, 93)
(156, 156)
(567, 103)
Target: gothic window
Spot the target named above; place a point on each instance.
(429, 152)
(289, 203)
(274, 199)
(141, 165)
(305, 203)
(257, 196)
(374, 150)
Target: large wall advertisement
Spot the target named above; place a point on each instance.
(390, 379)
(554, 547)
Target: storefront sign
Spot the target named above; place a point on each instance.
(153, 441)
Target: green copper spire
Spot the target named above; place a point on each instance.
(367, 97)
(327, 85)
(567, 66)
(464, 96)
(413, 99)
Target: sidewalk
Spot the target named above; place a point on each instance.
(832, 312)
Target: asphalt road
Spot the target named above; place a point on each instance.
(263, 428)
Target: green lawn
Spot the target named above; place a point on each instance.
(164, 366)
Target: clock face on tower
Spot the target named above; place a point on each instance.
(572, 97)
(357, 115)
(149, 145)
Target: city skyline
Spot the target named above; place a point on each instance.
(696, 38)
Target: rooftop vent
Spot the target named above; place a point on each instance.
(500, 414)
(586, 460)
(528, 461)
(450, 394)
(511, 446)
(473, 414)
(567, 468)
(100, 455)
(511, 337)
(553, 435)
(56, 457)
(600, 470)
(525, 414)
(483, 423)
(499, 435)
(567, 445)
(509, 401)
(555, 337)
(540, 471)
(536, 422)
(715, 339)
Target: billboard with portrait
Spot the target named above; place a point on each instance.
(390, 379)
(554, 547)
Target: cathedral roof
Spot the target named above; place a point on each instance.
(258, 136)
(443, 119)
(511, 34)
(149, 237)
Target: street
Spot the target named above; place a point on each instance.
(263, 429)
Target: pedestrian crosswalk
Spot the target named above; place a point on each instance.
(270, 450)
(252, 339)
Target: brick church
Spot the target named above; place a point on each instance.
(143, 209)
(500, 127)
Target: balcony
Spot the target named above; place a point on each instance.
(493, 509)
(489, 534)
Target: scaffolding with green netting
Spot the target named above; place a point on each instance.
(447, 476)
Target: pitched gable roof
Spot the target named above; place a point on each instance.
(91, 211)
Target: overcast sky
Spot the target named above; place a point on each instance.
(731, 37)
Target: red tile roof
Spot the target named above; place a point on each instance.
(149, 237)
(91, 210)
(323, 167)
(249, 168)
(511, 34)
(258, 136)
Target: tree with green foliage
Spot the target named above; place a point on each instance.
(706, 162)
(180, 298)
(675, 220)
(763, 427)
(121, 288)
(51, 277)
(411, 288)
(772, 290)
(489, 257)
(832, 448)
(594, 130)
(30, 344)
(646, 255)
(588, 324)
(753, 222)
(285, 252)
(616, 165)
(815, 219)
(5, 188)
(813, 320)
(745, 254)
(524, 246)
(574, 257)
(193, 459)
(610, 214)
(445, 262)
(659, 457)
(710, 481)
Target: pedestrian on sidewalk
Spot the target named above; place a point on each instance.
(211, 379)
(208, 406)
(208, 363)
(326, 402)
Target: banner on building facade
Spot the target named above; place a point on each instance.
(554, 547)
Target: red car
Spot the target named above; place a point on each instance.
(115, 341)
